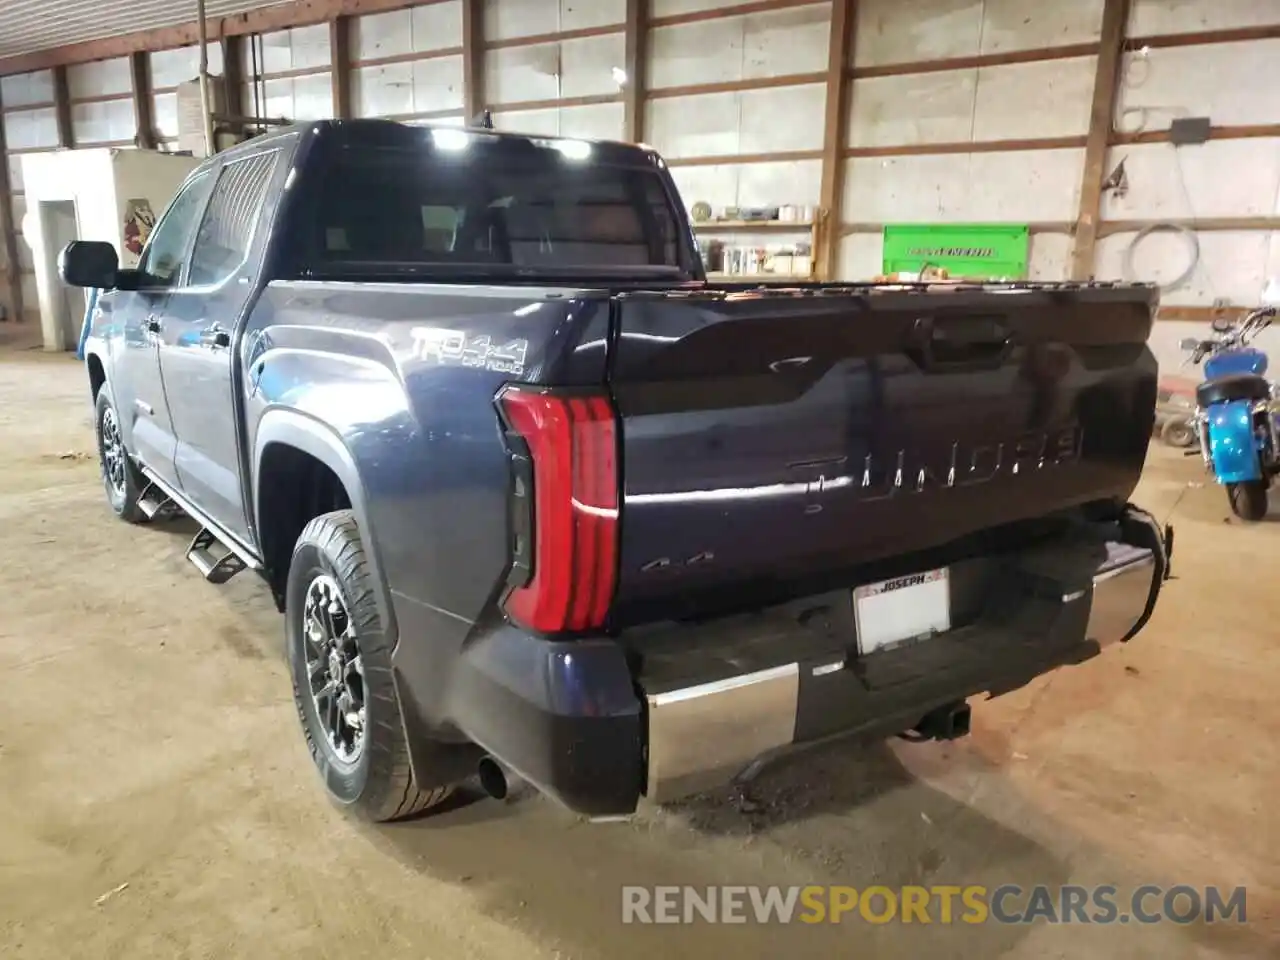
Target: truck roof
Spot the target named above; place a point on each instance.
(375, 132)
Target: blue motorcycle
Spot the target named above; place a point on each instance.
(1236, 412)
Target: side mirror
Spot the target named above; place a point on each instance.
(1189, 343)
(89, 263)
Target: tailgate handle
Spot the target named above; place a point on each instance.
(960, 343)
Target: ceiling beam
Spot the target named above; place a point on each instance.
(1115, 18)
(844, 16)
(635, 61)
(299, 13)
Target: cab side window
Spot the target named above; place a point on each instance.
(227, 230)
(168, 246)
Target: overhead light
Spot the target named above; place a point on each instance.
(619, 76)
(448, 138)
(574, 149)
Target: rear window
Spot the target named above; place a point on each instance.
(515, 203)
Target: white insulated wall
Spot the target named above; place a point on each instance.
(414, 62)
(784, 45)
(523, 78)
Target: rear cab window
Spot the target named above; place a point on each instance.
(461, 201)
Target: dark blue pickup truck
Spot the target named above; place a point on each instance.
(537, 500)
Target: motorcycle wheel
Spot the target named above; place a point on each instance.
(1248, 500)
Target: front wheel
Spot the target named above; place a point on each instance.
(1248, 499)
(120, 476)
(340, 660)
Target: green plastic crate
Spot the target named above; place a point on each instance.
(989, 251)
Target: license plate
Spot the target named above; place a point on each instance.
(904, 608)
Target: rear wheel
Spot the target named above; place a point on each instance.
(120, 476)
(340, 661)
(1248, 499)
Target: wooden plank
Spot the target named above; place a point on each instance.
(730, 159)
(340, 61)
(737, 10)
(1196, 38)
(1245, 131)
(734, 86)
(96, 98)
(1005, 58)
(844, 18)
(584, 101)
(412, 57)
(535, 39)
(1115, 16)
(965, 146)
(299, 13)
(1109, 228)
(473, 95)
(62, 109)
(144, 126)
(635, 62)
(8, 236)
(1199, 314)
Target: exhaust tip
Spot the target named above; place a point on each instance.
(493, 780)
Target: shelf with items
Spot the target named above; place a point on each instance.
(731, 254)
(718, 277)
(747, 226)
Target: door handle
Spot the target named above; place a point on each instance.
(215, 336)
(152, 324)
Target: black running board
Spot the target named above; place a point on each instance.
(215, 553)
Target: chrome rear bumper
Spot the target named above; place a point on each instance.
(703, 736)
(1121, 589)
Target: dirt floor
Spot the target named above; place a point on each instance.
(156, 799)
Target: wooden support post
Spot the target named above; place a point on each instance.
(844, 16)
(144, 136)
(1115, 17)
(340, 65)
(473, 97)
(233, 75)
(8, 234)
(635, 62)
(62, 108)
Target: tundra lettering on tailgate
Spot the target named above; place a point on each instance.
(963, 465)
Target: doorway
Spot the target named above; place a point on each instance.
(59, 227)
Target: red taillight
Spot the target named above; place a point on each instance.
(573, 446)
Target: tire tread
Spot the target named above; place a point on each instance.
(391, 792)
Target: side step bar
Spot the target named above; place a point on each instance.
(216, 562)
(217, 555)
(155, 503)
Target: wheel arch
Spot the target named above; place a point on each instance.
(307, 436)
